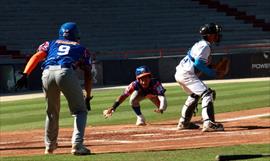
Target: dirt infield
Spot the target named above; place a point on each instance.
(243, 127)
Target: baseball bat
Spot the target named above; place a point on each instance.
(240, 156)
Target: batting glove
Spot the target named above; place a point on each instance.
(87, 102)
(22, 82)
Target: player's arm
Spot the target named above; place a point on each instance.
(162, 99)
(202, 66)
(30, 66)
(119, 100)
(129, 89)
(87, 86)
(163, 103)
(85, 64)
(108, 112)
(202, 61)
(88, 81)
(33, 62)
(40, 55)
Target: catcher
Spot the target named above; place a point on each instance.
(198, 57)
(143, 87)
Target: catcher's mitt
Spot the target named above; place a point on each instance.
(222, 67)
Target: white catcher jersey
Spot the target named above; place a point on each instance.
(200, 50)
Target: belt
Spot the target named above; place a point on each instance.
(57, 67)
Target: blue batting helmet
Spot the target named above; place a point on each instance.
(142, 71)
(69, 31)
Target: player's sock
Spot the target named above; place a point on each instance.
(137, 110)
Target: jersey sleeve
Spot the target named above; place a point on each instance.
(44, 47)
(129, 89)
(205, 53)
(159, 89)
(202, 60)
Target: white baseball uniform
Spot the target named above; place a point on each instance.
(185, 71)
(185, 75)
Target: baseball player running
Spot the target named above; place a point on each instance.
(143, 87)
(61, 58)
(199, 57)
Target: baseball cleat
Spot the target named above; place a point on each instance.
(80, 149)
(50, 150)
(211, 126)
(140, 124)
(140, 120)
(189, 125)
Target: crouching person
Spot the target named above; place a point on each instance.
(144, 87)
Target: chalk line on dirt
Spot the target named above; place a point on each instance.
(223, 134)
(244, 117)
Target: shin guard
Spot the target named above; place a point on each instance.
(189, 108)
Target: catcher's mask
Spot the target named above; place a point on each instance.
(142, 71)
(211, 28)
(69, 31)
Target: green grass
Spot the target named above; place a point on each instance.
(30, 114)
(203, 154)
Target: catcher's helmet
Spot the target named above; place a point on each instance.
(210, 28)
(69, 31)
(142, 71)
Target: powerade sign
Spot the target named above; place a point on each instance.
(260, 64)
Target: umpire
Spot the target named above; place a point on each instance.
(61, 57)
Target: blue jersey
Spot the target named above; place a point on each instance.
(155, 88)
(65, 53)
